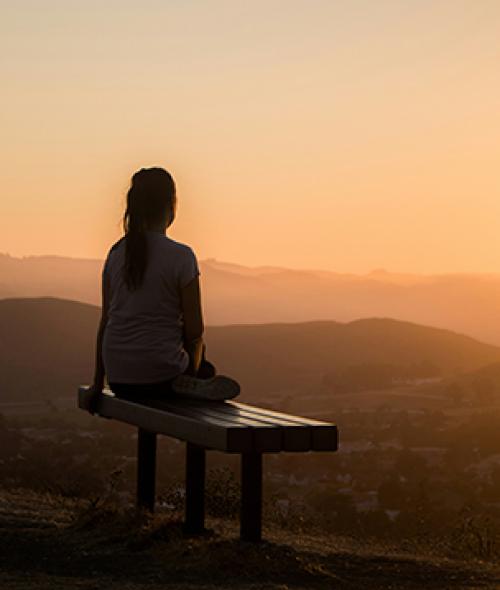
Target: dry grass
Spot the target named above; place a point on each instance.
(54, 542)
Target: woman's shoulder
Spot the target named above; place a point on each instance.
(116, 245)
(181, 248)
(114, 248)
(111, 252)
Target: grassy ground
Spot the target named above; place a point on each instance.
(51, 542)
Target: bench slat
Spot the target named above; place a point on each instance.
(324, 434)
(204, 431)
(265, 436)
(279, 415)
(295, 437)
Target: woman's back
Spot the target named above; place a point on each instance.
(143, 340)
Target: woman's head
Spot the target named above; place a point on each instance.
(151, 205)
(151, 200)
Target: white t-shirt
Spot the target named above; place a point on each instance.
(143, 338)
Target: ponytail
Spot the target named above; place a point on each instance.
(151, 199)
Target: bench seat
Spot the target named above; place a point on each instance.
(227, 426)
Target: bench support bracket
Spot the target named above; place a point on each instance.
(146, 469)
(195, 489)
(251, 497)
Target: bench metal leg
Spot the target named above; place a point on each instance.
(146, 469)
(195, 489)
(251, 497)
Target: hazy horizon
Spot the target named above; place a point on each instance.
(234, 263)
(238, 294)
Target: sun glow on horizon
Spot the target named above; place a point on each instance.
(344, 137)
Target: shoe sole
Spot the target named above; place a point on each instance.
(216, 388)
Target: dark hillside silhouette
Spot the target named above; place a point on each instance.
(287, 352)
(47, 345)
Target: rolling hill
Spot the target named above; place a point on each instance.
(47, 349)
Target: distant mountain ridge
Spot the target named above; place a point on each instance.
(47, 349)
(232, 293)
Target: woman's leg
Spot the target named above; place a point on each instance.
(122, 389)
(138, 391)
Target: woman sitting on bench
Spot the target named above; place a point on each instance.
(150, 337)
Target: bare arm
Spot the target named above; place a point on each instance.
(193, 323)
(99, 373)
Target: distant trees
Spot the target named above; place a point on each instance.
(484, 389)
(362, 376)
(455, 392)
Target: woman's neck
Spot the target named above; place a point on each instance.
(161, 229)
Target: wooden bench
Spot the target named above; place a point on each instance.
(226, 426)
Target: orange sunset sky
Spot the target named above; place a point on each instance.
(343, 135)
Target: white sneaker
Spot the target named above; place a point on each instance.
(218, 387)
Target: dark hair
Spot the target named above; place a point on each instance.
(151, 199)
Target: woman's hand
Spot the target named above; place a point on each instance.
(93, 395)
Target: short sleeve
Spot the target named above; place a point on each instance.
(189, 268)
(106, 265)
(105, 269)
